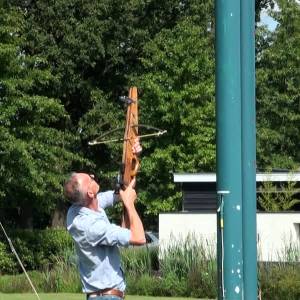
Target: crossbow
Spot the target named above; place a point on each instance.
(130, 161)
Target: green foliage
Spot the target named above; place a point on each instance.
(178, 91)
(276, 198)
(88, 45)
(146, 284)
(138, 261)
(291, 251)
(59, 279)
(95, 50)
(13, 283)
(35, 145)
(37, 249)
(171, 285)
(7, 262)
(191, 261)
(178, 87)
(63, 277)
(278, 92)
(186, 268)
(279, 281)
(65, 62)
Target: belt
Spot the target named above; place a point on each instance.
(112, 292)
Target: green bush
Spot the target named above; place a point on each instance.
(142, 285)
(280, 280)
(172, 285)
(36, 249)
(7, 261)
(150, 285)
(202, 282)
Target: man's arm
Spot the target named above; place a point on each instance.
(125, 219)
(137, 234)
(137, 149)
(107, 199)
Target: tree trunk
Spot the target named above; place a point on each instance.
(59, 215)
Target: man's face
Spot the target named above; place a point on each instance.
(89, 185)
(94, 184)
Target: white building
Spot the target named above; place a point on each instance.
(278, 234)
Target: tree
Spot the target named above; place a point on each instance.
(91, 47)
(276, 198)
(87, 44)
(94, 50)
(98, 49)
(278, 90)
(35, 144)
(178, 95)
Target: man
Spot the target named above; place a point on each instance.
(96, 239)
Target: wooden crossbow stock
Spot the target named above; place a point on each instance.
(130, 161)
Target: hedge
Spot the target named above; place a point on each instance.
(37, 249)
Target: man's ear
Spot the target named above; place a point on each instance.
(90, 194)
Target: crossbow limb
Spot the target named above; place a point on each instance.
(99, 140)
(130, 161)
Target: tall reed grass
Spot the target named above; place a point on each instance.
(186, 268)
(191, 261)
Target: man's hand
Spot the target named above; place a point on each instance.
(128, 196)
(137, 148)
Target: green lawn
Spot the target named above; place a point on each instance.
(75, 297)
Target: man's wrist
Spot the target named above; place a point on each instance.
(129, 206)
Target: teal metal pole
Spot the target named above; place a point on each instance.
(229, 165)
(248, 148)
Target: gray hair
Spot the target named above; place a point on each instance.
(73, 190)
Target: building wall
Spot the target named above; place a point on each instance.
(276, 231)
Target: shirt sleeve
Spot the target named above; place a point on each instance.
(102, 233)
(106, 199)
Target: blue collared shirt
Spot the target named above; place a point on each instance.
(96, 243)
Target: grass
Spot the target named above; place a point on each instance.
(61, 296)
